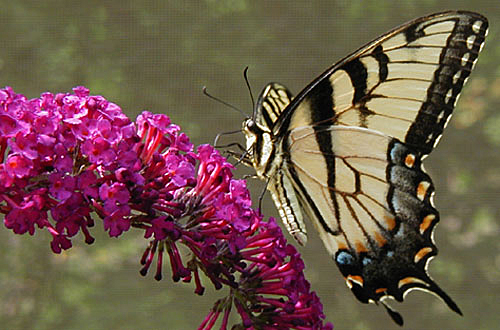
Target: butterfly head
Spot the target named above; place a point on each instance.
(250, 129)
(259, 145)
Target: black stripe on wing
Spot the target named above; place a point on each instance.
(358, 73)
(305, 198)
(382, 60)
(318, 102)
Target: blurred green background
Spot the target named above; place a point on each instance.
(157, 55)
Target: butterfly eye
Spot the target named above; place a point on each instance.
(251, 125)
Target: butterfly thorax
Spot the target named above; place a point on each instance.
(265, 155)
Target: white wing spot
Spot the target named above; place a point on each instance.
(476, 27)
(449, 94)
(440, 116)
(465, 59)
(449, 117)
(482, 44)
(465, 81)
(456, 98)
(474, 63)
(456, 77)
(470, 41)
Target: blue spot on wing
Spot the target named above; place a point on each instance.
(344, 258)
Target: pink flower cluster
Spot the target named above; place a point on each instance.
(67, 159)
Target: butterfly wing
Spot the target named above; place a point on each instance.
(271, 102)
(404, 84)
(350, 147)
(372, 205)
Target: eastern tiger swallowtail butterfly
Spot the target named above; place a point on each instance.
(348, 151)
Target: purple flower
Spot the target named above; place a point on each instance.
(46, 124)
(85, 129)
(59, 242)
(9, 126)
(114, 196)
(18, 166)
(25, 144)
(162, 228)
(87, 183)
(63, 160)
(99, 151)
(116, 222)
(79, 158)
(25, 214)
(61, 187)
(6, 180)
(180, 170)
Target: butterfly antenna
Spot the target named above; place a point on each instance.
(217, 137)
(223, 102)
(245, 75)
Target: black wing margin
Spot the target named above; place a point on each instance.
(456, 63)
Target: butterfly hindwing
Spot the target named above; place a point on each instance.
(377, 218)
(348, 151)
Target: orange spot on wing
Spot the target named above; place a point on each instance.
(422, 189)
(426, 223)
(380, 239)
(390, 221)
(422, 253)
(354, 279)
(381, 290)
(360, 247)
(342, 246)
(410, 160)
(410, 280)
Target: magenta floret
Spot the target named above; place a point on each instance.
(68, 158)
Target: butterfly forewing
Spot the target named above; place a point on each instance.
(273, 99)
(348, 150)
(404, 83)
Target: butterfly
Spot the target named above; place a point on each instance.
(347, 152)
